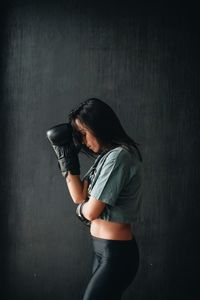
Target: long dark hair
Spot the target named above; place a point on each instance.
(99, 117)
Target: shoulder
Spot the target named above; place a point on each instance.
(119, 155)
(122, 158)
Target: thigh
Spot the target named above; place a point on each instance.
(96, 263)
(115, 266)
(103, 283)
(111, 276)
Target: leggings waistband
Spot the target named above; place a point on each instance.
(101, 245)
(94, 238)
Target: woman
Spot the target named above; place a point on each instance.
(108, 196)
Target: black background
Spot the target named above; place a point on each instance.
(143, 60)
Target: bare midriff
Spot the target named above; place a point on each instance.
(110, 230)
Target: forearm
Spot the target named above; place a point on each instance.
(77, 188)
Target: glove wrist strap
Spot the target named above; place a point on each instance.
(80, 214)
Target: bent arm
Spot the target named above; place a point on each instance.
(92, 209)
(77, 188)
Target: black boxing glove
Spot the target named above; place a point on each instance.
(81, 216)
(61, 139)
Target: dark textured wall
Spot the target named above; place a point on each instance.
(144, 62)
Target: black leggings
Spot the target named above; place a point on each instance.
(115, 266)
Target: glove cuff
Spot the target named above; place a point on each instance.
(80, 214)
(64, 167)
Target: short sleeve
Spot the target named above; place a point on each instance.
(112, 178)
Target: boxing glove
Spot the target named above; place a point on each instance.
(80, 215)
(61, 139)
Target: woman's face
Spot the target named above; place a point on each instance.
(88, 139)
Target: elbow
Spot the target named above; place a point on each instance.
(77, 200)
(90, 216)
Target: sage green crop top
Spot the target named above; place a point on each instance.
(116, 179)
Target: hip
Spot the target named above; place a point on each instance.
(116, 251)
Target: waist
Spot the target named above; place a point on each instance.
(110, 230)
